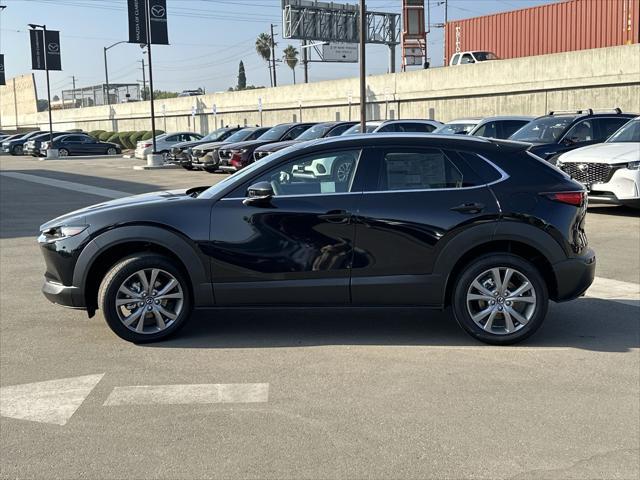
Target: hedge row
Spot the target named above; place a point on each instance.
(126, 140)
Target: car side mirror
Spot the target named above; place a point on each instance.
(259, 193)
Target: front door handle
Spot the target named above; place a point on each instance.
(469, 208)
(336, 216)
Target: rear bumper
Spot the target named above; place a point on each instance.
(574, 276)
(64, 295)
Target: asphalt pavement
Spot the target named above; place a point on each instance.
(303, 393)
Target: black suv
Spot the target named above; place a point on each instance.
(552, 135)
(428, 221)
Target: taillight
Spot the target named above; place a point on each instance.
(577, 199)
(147, 145)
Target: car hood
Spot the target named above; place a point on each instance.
(611, 153)
(184, 145)
(210, 145)
(274, 147)
(80, 216)
(247, 144)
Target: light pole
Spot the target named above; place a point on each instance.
(46, 67)
(363, 69)
(106, 69)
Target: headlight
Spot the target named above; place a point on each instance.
(64, 231)
(633, 165)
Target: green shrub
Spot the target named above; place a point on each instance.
(147, 135)
(135, 137)
(96, 133)
(115, 138)
(104, 136)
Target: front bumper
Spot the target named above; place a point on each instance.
(574, 276)
(66, 296)
(622, 189)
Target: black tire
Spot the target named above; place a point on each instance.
(210, 169)
(17, 150)
(187, 166)
(112, 151)
(475, 269)
(61, 154)
(120, 272)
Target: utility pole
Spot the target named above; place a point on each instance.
(305, 61)
(444, 28)
(363, 69)
(144, 81)
(273, 57)
(73, 81)
(106, 71)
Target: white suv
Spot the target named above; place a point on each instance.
(610, 170)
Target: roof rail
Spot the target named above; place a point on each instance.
(588, 111)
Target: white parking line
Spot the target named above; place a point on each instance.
(73, 186)
(189, 394)
(615, 290)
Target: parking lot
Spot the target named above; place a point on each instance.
(306, 393)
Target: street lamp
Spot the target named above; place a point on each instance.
(106, 70)
(33, 26)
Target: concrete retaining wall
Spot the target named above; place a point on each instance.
(599, 78)
(18, 102)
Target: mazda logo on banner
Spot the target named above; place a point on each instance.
(53, 47)
(138, 21)
(2, 79)
(49, 59)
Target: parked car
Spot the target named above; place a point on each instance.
(463, 58)
(236, 156)
(15, 145)
(180, 153)
(610, 171)
(33, 146)
(147, 261)
(460, 126)
(321, 130)
(554, 134)
(79, 144)
(206, 156)
(164, 143)
(500, 127)
(399, 126)
(8, 138)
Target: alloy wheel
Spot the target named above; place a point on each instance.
(149, 301)
(342, 172)
(63, 153)
(501, 300)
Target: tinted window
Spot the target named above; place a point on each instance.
(172, 138)
(482, 168)
(319, 173)
(339, 130)
(509, 127)
(455, 128)
(467, 58)
(544, 129)
(609, 126)
(74, 138)
(629, 133)
(418, 170)
(581, 132)
(317, 131)
(415, 127)
(489, 129)
(275, 133)
(455, 58)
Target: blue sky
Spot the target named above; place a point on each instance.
(208, 39)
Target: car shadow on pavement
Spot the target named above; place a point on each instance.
(587, 323)
(615, 211)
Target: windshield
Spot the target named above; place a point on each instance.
(455, 128)
(543, 130)
(213, 136)
(315, 132)
(239, 136)
(370, 127)
(629, 132)
(484, 56)
(275, 133)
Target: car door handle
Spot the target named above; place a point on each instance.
(469, 208)
(336, 216)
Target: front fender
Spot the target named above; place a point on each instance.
(178, 245)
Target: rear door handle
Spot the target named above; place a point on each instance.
(469, 208)
(336, 216)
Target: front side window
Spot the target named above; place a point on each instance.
(339, 130)
(455, 128)
(467, 58)
(320, 173)
(423, 169)
(455, 58)
(489, 129)
(629, 133)
(581, 132)
(609, 126)
(295, 132)
(315, 132)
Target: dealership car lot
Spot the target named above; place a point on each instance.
(335, 393)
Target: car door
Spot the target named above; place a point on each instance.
(411, 206)
(74, 145)
(295, 249)
(93, 147)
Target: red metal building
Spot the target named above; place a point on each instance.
(552, 28)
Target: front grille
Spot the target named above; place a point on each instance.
(224, 154)
(588, 173)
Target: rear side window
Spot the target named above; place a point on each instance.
(422, 169)
(489, 129)
(509, 127)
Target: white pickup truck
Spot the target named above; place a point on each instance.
(462, 58)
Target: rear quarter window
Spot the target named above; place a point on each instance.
(487, 172)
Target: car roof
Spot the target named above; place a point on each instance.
(464, 120)
(410, 120)
(508, 117)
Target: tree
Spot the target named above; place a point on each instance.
(291, 59)
(263, 47)
(242, 78)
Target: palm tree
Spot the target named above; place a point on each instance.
(291, 58)
(263, 47)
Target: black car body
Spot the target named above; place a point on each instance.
(236, 156)
(321, 130)
(15, 145)
(180, 153)
(206, 156)
(554, 134)
(79, 144)
(423, 220)
(33, 146)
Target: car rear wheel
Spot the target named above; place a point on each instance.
(63, 152)
(145, 298)
(111, 151)
(500, 299)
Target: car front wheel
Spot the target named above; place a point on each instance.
(145, 298)
(17, 150)
(500, 299)
(111, 151)
(63, 152)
